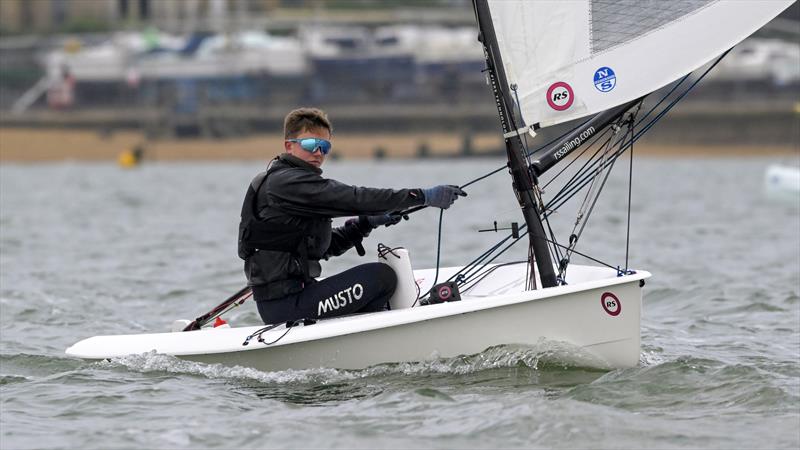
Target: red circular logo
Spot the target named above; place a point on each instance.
(611, 304)
(560, 96)
(444, 292)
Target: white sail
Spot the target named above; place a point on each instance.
(573, 58)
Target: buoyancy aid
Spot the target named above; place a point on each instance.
(286, 223)
(256, 233)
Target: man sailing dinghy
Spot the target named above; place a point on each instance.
(286, 229)
(547, 62)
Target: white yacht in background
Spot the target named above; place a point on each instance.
(757, 59)
(149, 56)
(227, 55)
(783, 182)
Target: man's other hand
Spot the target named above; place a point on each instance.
(442, 196)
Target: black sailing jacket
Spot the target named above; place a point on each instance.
(295, 194)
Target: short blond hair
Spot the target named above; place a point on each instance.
(305, 119)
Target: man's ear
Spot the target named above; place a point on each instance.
(287, 146)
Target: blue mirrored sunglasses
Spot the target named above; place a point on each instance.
(312, 144)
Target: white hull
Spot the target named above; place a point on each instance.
(496, 312)
(782, 182)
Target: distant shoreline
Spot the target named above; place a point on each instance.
(26, 145)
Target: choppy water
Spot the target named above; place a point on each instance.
(91, 249)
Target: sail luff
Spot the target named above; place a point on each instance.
(522, 182)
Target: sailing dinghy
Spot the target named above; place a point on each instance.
(497, 311)
(547, 62)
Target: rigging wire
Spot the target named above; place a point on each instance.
(578, 179)
(589, 257)
(663, 112)
(556, 251)
(680, 97)
(630, 189)
(503, 101)
(565, 197)
(486, 258)
(576, 183)
(560, 137)
(478, 262)
(671, 91)
(460, 277)
(553, 250)
(639, 134)
(462, 280)
(482, 177)
(589, 144)
(586, 179)
(582, 217)
(603, 163)
(488, 271)
(546, 217)
(522, 141)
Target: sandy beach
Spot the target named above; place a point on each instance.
(31, 145)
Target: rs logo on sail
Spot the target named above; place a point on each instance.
(560, 96)
(342, 298)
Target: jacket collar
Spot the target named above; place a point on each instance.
(297, 162)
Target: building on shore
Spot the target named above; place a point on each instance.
(187, 16)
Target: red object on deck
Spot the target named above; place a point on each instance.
(219, 322)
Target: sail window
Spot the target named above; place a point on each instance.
(615, 22)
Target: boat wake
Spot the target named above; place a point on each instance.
(152, 362)
(544, 356)
(651, 357)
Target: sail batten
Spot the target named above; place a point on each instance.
(574, 58)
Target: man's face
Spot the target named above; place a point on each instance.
(317, 158)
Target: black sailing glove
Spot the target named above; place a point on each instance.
(442, 196)
(355, 230)
(365, 224)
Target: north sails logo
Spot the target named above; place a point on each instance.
(605, 79)
(341, 299)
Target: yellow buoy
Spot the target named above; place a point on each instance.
(129, 158)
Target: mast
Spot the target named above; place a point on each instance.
(522, 180)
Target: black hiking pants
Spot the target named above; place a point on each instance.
(364, 288)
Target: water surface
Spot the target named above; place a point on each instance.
(88, 249)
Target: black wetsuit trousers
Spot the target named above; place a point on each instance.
(364, 288)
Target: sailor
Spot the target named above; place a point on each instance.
(285, 229)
